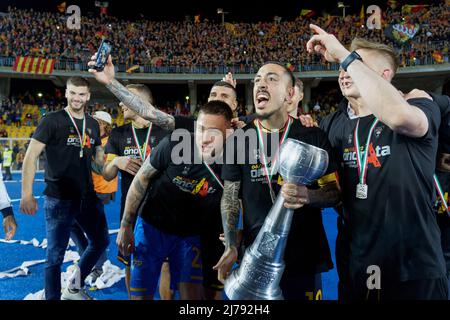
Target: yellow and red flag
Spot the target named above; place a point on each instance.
(62, 7)
(34, 65)
(413, 8)
(438, 57)
(307, 13)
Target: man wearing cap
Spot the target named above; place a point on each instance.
(105, 189)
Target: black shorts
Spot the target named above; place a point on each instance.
(302, 287)
(211, 252)
(443, 218)
(106, 198)
(342, 259)
(428, 289)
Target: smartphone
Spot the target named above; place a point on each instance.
(102, 55)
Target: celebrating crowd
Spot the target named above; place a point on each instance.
(208, 44)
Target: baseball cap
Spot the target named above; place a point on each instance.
(104, 116)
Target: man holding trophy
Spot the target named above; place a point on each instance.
(257, 182)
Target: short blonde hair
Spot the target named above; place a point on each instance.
(142, 89)
(382, 49)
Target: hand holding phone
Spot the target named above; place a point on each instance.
(102, 55)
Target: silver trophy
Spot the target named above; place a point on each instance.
(262, 267)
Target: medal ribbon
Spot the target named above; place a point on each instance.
(440, 193)
(265, 165)
(213, 174)
(360, 159)
(81, 137)
(143, 154)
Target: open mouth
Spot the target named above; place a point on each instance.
(262, 99)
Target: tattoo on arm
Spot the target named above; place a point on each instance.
(325, 197)
(144, 108)
(97, 164)
(137, 191)
(230, 212)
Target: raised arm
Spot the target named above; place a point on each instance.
(381, 97)
(144, 108)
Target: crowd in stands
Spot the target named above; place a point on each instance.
(186, 44)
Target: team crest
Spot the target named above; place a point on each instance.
(185, 170)
(128, 140)
(350, 138)
(378, 131)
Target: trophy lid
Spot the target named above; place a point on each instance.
(301, 163)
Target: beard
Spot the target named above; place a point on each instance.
(266, 116)
(77, 108)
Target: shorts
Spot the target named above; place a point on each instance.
(105, 198)
(211, 252)
(152, 247)
(302, 287)
(426, 289)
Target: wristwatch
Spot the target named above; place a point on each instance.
(350, 58)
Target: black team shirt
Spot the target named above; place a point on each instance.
(184, 199)
(121, 143)
(67, 176)
(307, 250)
(395, 227)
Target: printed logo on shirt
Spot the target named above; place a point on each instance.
(128, 140)
(74, 141)
(375, 154)
(193, 186)
(258, 174)
(132, 151)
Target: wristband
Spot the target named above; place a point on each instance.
(350, 58)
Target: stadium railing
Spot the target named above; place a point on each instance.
(72, 65)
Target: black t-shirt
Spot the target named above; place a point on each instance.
(187, 123)
(307, 249)
(248, 118)
(395, 227)
(121, 143)
(67, 175)
(184, 199)
(443, 102)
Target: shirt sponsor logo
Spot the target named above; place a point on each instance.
(131, 152)
(200, 187)
(74, 140)
(375, 154)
